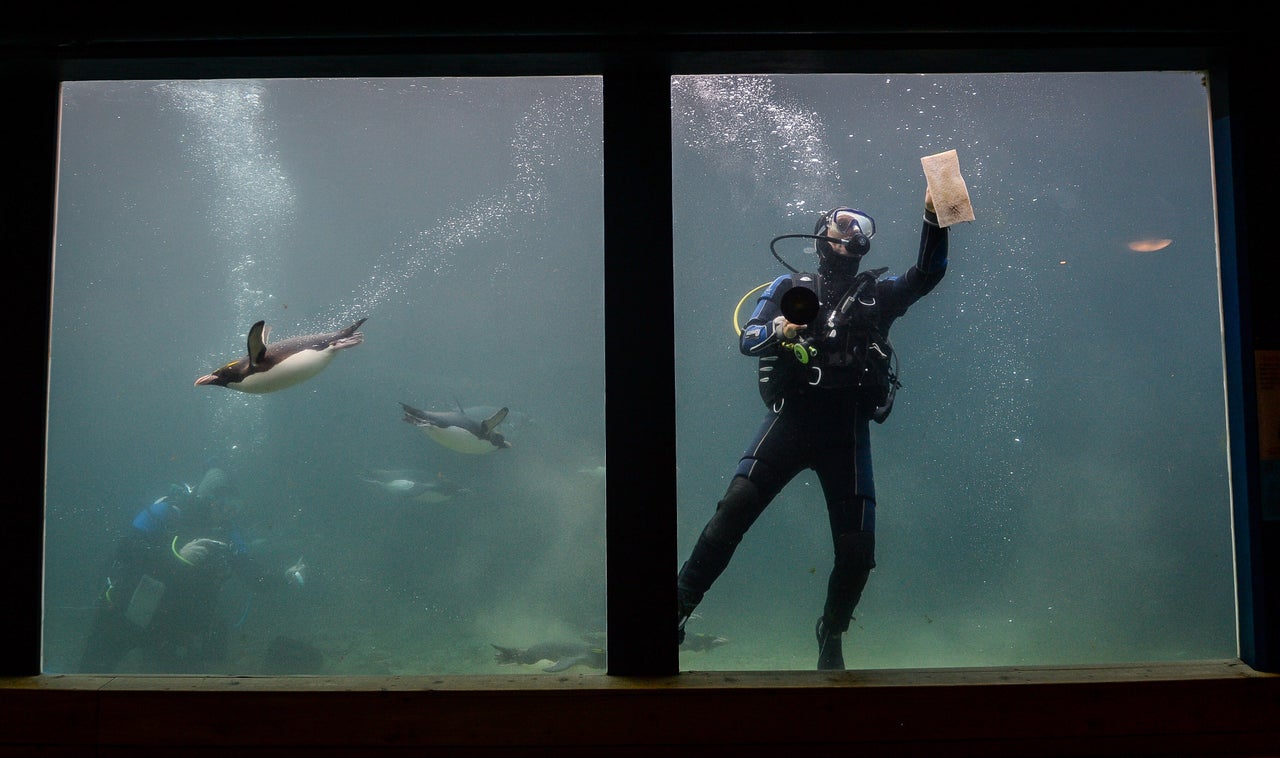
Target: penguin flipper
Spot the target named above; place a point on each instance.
(488, 424)
(258, 342)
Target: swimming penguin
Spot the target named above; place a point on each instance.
(297, 573)
(458, 431)
(268, 368)
(703, 642)
(412, 485)
(561, 655)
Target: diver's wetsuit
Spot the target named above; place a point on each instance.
(823, 426)
(182, 626)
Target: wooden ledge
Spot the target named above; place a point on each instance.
(1225, 669)
(1216, 707)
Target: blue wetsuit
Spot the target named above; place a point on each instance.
(820, 421)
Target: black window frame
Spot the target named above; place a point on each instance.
(636, 67)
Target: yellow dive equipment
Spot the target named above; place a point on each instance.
(738, 308)
(803, 352)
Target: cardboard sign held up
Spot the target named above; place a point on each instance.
(947, 187)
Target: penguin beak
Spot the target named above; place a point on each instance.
(206, 379)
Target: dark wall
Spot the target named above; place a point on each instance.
(1222, 708)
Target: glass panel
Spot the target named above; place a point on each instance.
(463, 219)
(1052, 484)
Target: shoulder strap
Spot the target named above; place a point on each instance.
(866, 279)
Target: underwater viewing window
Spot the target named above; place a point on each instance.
(387, 476)
(1052, 487)
(1030, 459)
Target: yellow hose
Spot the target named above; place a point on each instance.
(174, 547)
(738, 308)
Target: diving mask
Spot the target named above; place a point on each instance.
(853, 228)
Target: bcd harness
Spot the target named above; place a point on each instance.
(844, 348)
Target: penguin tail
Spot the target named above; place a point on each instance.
(352, 329)
(348, 337)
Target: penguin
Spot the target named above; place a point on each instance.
(561, 655)
(703, 642)
(458, 431)
(297, 573)
(268, 368)
(411, 485)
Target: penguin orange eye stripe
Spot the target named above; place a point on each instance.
(229, 365)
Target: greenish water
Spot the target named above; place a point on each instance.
(1052, 483)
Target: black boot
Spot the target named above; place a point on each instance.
(830, 654)
(686, 601)
(734, 513)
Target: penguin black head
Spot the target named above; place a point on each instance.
(237, 370)
(234, 371)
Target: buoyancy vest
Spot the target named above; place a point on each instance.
(843, 348)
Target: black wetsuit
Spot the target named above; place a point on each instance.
(820, 422)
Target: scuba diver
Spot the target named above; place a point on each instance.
(165, 578)
(826, 370)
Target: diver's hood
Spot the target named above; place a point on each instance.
(836, 272)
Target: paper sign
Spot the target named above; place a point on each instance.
(947, 187)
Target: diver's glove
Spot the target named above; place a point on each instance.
(930, 213)
(780, 328)
(197, 551)
(788, 337)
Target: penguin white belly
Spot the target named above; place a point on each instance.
(457, 438)
(295, 369)
(399, 486)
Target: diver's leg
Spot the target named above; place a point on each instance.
(855, 557)
(112, 635)
(212, 645)
(769, 462)
(741, 505)
(110, 638)
(846, 479)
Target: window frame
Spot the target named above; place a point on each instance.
(636, 70)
